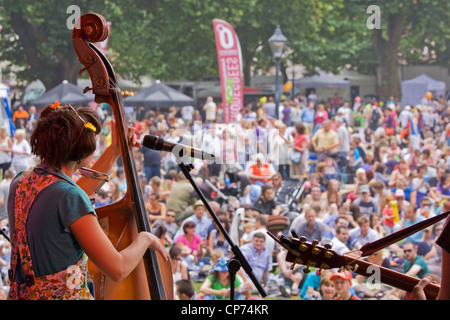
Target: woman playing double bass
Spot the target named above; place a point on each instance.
(53, 224)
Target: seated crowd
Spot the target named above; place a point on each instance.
(330, 172)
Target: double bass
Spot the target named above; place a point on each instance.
(123, 220)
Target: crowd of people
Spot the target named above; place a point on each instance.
(360, 169)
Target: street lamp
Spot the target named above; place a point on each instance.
(277, 43)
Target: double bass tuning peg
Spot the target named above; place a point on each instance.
(87, 89)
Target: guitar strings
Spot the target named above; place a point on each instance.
(355, 258)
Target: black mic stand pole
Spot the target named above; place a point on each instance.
(3, 233)
(238, 260)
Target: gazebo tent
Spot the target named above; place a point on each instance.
(66, 93)
(322, 80)
(325, 85)
(160, 96)
(413, 90)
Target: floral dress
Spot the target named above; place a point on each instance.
(69, 284)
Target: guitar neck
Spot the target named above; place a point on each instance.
(390, 277)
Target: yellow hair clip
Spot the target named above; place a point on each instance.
(90, 126)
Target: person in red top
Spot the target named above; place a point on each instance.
(343, 282)
(261, 172)
(388, 216)
(301, 144)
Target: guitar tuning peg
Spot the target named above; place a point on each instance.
(315, 250)
(308, 265)
(324, 266)
(302, 246)
(348, 267)
(352, 268)
(327, 245)
(296, 261)
(294, 234)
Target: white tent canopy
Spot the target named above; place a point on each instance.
(322, 80)
(325, 86)
(413, 90)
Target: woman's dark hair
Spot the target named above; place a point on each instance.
(174, 252)
(60, 135)
(224, 219)
(300, 128)
(188, 224)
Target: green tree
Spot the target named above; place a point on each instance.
(406, 27)
(174, 39)
(36, 38)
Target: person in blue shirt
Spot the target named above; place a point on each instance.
(410, 217)
(307, 117)
(203, 223)
(258, 257)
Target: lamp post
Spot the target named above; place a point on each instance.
(277, 43)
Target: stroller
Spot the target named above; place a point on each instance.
(287, 197)
(235, 182)
(289, 193)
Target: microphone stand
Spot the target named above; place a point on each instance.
(238, 260)
(3, 233)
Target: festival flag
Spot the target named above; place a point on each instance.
(229, 57)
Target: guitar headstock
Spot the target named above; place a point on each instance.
(310, 254)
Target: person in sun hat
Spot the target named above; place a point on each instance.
(201, 219)
(343, 284)
(217, 285)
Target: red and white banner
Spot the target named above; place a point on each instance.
(230, 68)
(102, 46)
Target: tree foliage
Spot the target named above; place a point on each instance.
(35, 37)
(174, 39)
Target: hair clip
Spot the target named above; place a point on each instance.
(56, 105)
(90, 126)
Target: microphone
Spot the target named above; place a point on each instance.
(179, 150)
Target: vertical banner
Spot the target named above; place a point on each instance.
(12, 128)
(102, 46)
(230, 69)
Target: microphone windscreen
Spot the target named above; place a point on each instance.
(153, 142)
